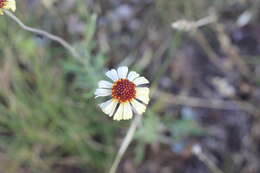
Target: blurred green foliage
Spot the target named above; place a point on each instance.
(48, 115)
(46, 120)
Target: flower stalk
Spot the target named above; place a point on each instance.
(126, 142)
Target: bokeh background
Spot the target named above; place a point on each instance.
(205, 86)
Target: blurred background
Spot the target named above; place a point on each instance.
(205, 87)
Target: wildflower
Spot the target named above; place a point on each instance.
(128, 91)
(7, 4)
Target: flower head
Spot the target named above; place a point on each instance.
(127, 91)
(7, 4)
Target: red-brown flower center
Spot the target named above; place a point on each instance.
(123, 90)
(2, 3)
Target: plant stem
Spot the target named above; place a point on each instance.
(44, 33)
(127, 140)
(196, 149)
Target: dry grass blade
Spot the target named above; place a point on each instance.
(206, 103)
(44, 33)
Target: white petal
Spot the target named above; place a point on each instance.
(104, 84)
(128, 113)
(132, 75)
(103, 92)
(139, 107)
(143, 98)
(142, 91)
(142, 94)
(122, 72)
(140, 81)
(112, 74)
(119, 113)
(11, 4)
(109, 106)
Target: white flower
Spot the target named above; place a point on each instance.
(7, 4)
(128, 92)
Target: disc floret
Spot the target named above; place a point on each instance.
(123, 90)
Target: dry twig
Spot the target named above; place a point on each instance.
(196, 150)
(44, 33)
(207, 103)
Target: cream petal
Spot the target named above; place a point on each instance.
(143, 98)
(109, 106)
(102, 92)
(105, 104)
(122, 72)
(11, 1)
(112, 74)
(140, 81)
(142, 93)
(139, 107)
(11, 5)
(104, 84)
(132, 75)
(119, 113)
(128, 112)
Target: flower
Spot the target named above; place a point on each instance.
(7, 4)
(128, 91)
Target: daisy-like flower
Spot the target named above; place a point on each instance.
(128, 93)
(7, 4)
